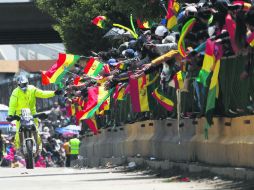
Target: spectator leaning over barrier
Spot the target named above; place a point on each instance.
(74, 148)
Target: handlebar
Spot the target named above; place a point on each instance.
(37, 115)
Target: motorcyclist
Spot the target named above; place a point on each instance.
(24, 96)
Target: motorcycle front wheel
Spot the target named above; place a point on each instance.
(29, 156)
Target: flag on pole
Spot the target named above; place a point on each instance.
(93, 67)
(99, 21)
(96, 97)
(143, 24)
(56, 73)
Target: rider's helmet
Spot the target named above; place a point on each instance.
(22, 82)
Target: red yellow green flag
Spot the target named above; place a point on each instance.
(92, 124)
(138, 93)
(93, 67)
(99, 21)
(96, 97)
(250, 39)
(56, 73)
(163, 100)
(212, 94)
(208, 63)
(143, 24)
(119, 92)
(171, 18)
(71, 110)
(178, 80)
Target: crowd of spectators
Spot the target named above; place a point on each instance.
(228, 24)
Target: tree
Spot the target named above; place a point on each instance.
(73, 19)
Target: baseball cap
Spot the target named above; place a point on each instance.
(160, 31)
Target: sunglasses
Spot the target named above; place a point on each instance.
(22, 85)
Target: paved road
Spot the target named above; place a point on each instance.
(93, 179)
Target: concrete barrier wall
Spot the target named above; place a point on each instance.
(230, 142)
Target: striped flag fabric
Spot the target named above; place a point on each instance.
(71, 110)
(119, 92)
(178, 80)
(99, 21)
(250, 39)
(143, 24)
(96, 97)
(121, 66)
(93, 67)
(208, 63)
(163, 100)
(138, 93)
(171, 18)
(56, 73)
(245, 6)
(92, 124)
(212, 95)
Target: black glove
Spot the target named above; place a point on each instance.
(58, 92)
(9, 118)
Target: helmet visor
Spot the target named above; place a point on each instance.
(23, 85)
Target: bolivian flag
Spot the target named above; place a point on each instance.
(99, 21)
(211, 99)
(71, 110)
(92, 124)
(138, 93)
(250, 39)
(171, 18)
(93, 67)
(208, 63)
(119, 92)
(96, 97)
(178, 80)
(56, 73)
(144, 24)
(163, 100)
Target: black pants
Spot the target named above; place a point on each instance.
(68, 160)
(74, 157)
(1, 155)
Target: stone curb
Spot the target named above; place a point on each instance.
(229, 172)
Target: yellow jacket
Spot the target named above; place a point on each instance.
(20, 99)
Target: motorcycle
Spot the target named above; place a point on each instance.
(29, 134)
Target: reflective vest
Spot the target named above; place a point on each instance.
(20, 99)
(74, 146)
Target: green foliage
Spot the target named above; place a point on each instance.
(74, 19)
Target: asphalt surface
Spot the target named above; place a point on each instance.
(96, 179)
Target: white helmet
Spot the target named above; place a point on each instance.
(161, 30)
(22, 82)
